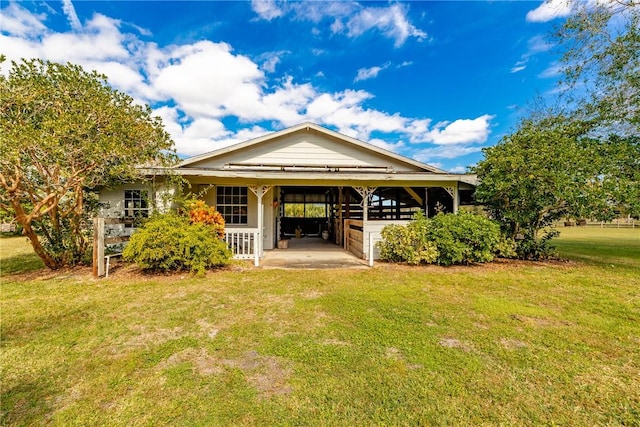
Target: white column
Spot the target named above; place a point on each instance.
(260, 191)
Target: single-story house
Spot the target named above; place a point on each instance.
(305, 180)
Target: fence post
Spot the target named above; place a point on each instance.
(256, 255)
(370, 249)
(98, 247)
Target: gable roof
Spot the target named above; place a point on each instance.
(307, 126)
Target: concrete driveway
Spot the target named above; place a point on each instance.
(311, 253)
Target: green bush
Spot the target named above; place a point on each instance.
(446, 239)
(408, 243)
(464, 238)
(170, 242)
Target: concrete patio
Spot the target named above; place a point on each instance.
(311, 253)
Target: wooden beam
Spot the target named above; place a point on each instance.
(415, 195)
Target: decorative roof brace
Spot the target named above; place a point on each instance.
(366, 193)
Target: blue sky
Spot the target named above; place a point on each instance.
(434, 81)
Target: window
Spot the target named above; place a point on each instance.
(135, 207)
(232, 204)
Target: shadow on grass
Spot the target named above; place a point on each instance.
(22, 263)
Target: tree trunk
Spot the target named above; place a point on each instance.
(25, 221)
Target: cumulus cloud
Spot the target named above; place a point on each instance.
(549, 10)
(194, 87)
(461, 131)
(19, 22)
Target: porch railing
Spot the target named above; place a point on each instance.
(244, 243)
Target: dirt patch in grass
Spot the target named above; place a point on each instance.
(268, 374)
(538, 321)
(202, 362)
(455, 343)
(511, 344)
(146, 337)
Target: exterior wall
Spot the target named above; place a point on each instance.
(371, 232)
(306, 149)
(112, 201)
(209, 196)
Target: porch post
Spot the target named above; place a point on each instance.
(260, 191)
(365, 192)
(455, 195)
(426, 202)
(340, 227)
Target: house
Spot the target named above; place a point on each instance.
(305, 180)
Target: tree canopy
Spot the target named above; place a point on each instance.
(582, 161)
(64, 132)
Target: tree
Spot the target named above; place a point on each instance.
(544, 171)
(601, 64)
(63, 133)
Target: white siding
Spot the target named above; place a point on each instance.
(371, 230)
(306, 149)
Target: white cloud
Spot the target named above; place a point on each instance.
(370, 73)
(367, 73)
(536, 44)
(549, 10)
(458, 169)
(554, 70)
(348, 18)
(391, 21)
(195, 86)
(72, 17)
(461, 131)
(266, 9)
(19, 22)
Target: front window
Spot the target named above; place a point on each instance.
(135, 207)
(232, 204)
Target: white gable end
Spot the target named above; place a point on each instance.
(305, 148)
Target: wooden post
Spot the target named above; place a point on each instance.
(340, 230)
(98, 247)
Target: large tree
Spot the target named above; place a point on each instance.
(600, 42)
(548, 169)
(65, 132)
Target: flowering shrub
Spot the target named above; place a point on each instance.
(201, 213)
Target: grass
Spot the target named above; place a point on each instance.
(502, 344)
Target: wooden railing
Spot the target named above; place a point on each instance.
(244, 243)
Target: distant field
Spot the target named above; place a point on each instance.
(600, 246)
(509, 343)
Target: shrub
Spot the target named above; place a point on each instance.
(533, 248)
(199, 212)
(171, 242)
(464, 238)
(446, 239)
(408, 243)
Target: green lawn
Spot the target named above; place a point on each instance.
(503, 344)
